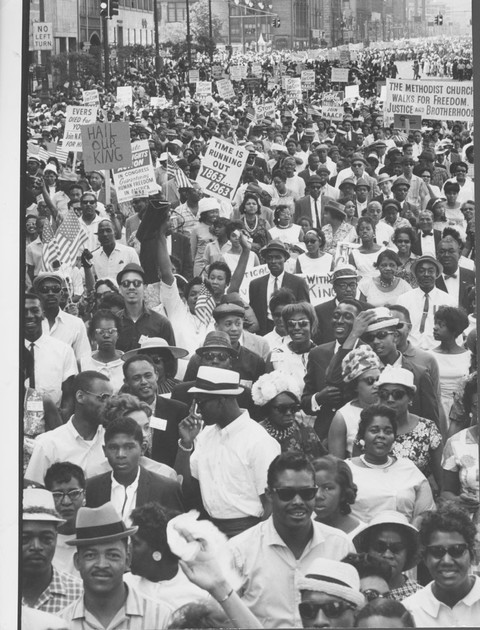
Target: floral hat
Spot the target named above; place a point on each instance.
(359, 361)
(270, 385)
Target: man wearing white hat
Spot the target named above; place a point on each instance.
(331, 596)
(102, 557)
(232, 454)
(43, 587)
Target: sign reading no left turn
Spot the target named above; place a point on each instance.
(42, 36)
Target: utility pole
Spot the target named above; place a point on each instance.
(189, 46)
(157, 43)
(106, 52)
(210, 30)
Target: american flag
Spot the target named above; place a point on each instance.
(50, 249)
(177, 173)
(204, 305)
(71, 238)
(250, 113)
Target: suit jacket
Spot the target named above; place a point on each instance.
(181, 249)
(417, 246)
(258, 295)
(316, 378)
(151, 487)
(324, 314)
(256, 344)
(409, 206)
(165, 443)
(467, 281)
(303, 207)
(305, 174)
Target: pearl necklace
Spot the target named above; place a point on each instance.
(249, 229)
(388, 463)
(384, 284)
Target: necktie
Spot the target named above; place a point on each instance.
(316, 213)
(32, 374)
(275, 285)
(427, 234)
(426, 305)
(452, 275)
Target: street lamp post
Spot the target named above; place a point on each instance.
(157, 43)
(189, 46)
(210, 29)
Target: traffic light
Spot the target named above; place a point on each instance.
(440, 19)
(278, 23)
(104, 8)
(113, 8)
(274, 22)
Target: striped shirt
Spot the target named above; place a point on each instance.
(62, 591)
(137, 613)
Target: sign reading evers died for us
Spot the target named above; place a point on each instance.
(42, 36)
(76, 116)
(139, 179)
(436, 100)
(222, 168)
(106, 145)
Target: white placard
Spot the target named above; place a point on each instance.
(293, 87)
(124, 95)
(77, 115)
(193, 76)
(222, 168)
(308, 79)
(320, 287)
(252, 274)
(139, 179)
(339, 75)
(42, 36)
(351, 92)
(91, 97)
(225, 89)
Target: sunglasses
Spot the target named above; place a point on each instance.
(105, 331)
(125, 284)
(346, 285)
(333, 610)
(90, 202)
(381, 334)
(101, 397)
(284, 409)
(381, 547)
(73, 495)
(454, 551)
(403, 240)
(46, 289)
(369, 380)
(211, 356)
(396, 394)
(298, 323)
(287, 494)
(370, 594)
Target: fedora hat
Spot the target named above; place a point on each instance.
(362, 182)
(222, 310)
(274, 246)
(345, 271)
(43, 276)
(99, 525)
(38, 505)
(401, 181)
(216, 340)
(384, 177)
(348, 181)
(335, 578)
(335, 208)
(429, 259)
(398, 520)
(383, 319)
(153, 345)
(131, 267)
(216, 381)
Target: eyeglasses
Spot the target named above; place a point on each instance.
(101, 397)
(454, 551)
(396, 394)
(287, 494)
(333, 610)
(125, 284)
(370, 594)
(47, 289)
(298, 323)
(283, 409)
(403, 240)
(90, 202)
(346, 285)
(369, 380)
(381, 334)
(381, 546)
(219, 356)
(105, 331)
(73, 495)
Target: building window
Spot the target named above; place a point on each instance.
(176, 11)
(301, 19)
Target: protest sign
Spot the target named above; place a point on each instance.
(158, 101)
(383, 93)
(293, 87)
(203, 88)
(351, 91)
(124, 95)
(139, 179)
(193, 76)
(76, 116)
(42, 36)
(271, 83)
(91, 97)
(251, 274)
(339, 75)
(407, 123)
(259, 111)
(256, 70)
(270, 110)
(236, 73)
(217, 72)
(225, 89)
(106, 145)
(308, 79)
(244, 71)
(435, 100)
(320, 287)
(344, 57)
(332, 107)
(222, 168)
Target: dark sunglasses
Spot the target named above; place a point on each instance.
(300, 323)
(55, 289)
(370, 594)
(127, 283)
(369, 380)
(381, 334)
(454, 551)
(381, 547)
(287, 494)
(286, 408)
(211, 356)
(397, 394)
(333, 610)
